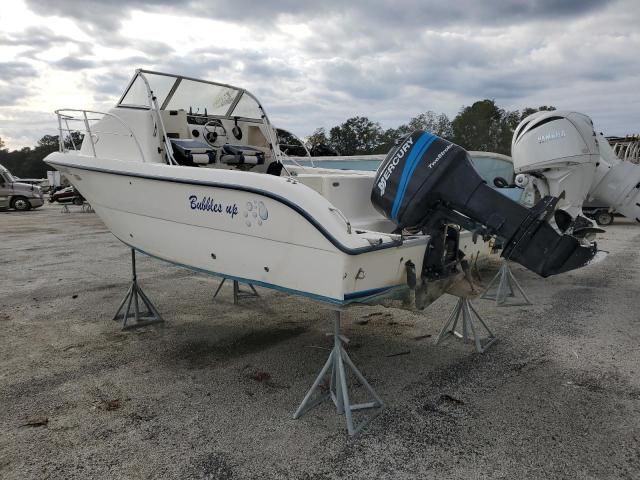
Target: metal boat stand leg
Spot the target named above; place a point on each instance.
(336, 368)
(237, 292)
(503, 288)
(470, 320)
(136, 298)
(475, 269)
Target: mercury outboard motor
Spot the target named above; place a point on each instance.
(429, 183)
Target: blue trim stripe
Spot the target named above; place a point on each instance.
(368, 293)
(421, 146)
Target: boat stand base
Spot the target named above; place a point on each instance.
(467, 314)
(136, 298)
(335, 370)
(237, 292)
(504, 288)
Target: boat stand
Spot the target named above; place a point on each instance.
(237, 293)
(469, 334)
(504, 287)
(133, 297)
(338, 390)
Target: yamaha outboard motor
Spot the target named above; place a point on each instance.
(429, 183)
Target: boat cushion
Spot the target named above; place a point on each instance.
(241, 155)
(192, 152)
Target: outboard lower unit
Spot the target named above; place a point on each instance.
(429, 183)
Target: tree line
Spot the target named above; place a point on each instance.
(27, 162)
(482, 126)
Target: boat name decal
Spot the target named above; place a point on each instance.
(393, 163)
(207, 204)
(440, 155)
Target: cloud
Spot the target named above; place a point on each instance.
(11, 94)
(315, 65)
(74, 63)
(16, 70)
(95, 15)
(107, 16)
(34, 38)
(14, 78)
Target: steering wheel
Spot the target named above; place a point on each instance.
(210, 131)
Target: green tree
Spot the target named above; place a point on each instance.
(356, 136)
(389, 137)
(476, 127)
(437, 123)
(484, 126)
(430, 121)
(1, 144)
(318, 137)
(28, 162)
(290, 144)
(481, 126)
(318, 144)
(529, 110)
(487, 127)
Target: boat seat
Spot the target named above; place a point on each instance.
(192, 152)
(241, 155)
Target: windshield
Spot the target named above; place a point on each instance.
(137, 96)
(491, 167)
(202, 97)
(196, 96)
(7, 175)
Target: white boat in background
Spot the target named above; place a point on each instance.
(190, 171)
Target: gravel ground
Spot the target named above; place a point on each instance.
(211, 393)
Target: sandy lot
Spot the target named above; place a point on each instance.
(211, 393)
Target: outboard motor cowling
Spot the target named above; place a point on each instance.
(427, 182)
(556, 152)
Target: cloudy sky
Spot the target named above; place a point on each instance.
(314, 64)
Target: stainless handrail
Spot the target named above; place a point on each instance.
(153, 105)
(66, 117)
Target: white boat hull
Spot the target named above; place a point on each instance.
(222, 225)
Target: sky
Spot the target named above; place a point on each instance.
(315, 64)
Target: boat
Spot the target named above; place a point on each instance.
(190, 171)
